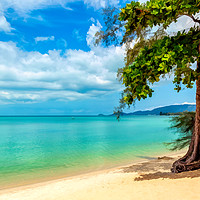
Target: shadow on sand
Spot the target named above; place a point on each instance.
(158, 168)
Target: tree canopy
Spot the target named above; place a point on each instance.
(161, 54)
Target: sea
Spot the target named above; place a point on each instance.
(34, 149)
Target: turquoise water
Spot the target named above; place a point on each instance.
(40, 147)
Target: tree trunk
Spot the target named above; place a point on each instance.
(191, 160)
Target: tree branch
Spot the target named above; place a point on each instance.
(194, 19)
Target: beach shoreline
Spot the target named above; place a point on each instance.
(107, 182)
(90, 172)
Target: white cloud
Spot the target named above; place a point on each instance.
(41, 39)
(23, 7)
(142, 1)
(101, 3)
(33, 77)
(91, 33)
(5, 25)
(8, 96)
(182, 23)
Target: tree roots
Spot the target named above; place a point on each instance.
(179, 166)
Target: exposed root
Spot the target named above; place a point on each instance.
(179, 166)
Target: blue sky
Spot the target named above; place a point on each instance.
(49, 65)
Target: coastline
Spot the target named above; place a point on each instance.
(45, 178)
(115, 183)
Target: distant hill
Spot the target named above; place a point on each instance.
(166, 110)
(172, 109)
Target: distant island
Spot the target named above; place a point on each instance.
(164, 110)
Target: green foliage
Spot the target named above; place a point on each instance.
(118, 110)
(182, 124)
(154, 58)
(133, 52)
(164, 56)
(164, 12)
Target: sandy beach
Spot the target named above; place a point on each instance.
(149, 179)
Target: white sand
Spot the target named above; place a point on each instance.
(116, 184)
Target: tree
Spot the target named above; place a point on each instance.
(183, 125)
(154, 57)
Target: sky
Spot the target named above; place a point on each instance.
(50, 66)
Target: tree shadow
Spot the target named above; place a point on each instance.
(163, 163)
(158, 168)
(169, 175)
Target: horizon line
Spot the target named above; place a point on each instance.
(86, 115)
